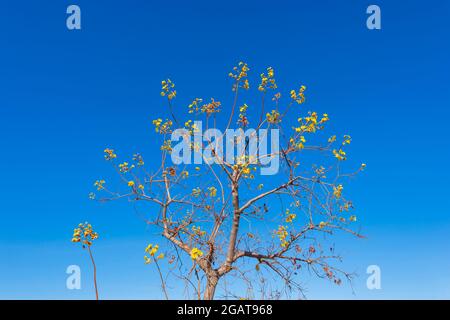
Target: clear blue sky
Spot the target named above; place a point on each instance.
(65, 95)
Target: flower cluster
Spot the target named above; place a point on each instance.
(273, 117)
(298, 96)
(311, 123)
(196, 192)
(210, 108)
(163, 127)
(340, 154)
(212, 191)
(168, 89)
(167, 146)
(150, 253)
(109, 154)
(243, 166)
(240, 73)
(84, 234)
(99, 184)
(125, 167)
(282, 235)
(191, 127)
(347, 140)
(195, 105)
(138, 159)
(267, 80)
(276, 97)
(184, 174)
(290, 216)
(337, 191)
(243, 119)
(298, 143)
(320, 171)
(196, 253)
(132, 185)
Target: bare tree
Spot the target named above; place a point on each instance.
(225, 223)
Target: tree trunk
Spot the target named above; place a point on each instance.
(211, 284)
(95, 273)
(235, 225)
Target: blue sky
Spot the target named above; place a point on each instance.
(65, 95)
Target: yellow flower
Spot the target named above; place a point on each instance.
(270, 72)
(99, 184)
(152, 249)
(212, 107)
(337, 191)
(84, 234)
(246, 84)
(124, 167)
(157, 124)
(293, 94)
(167, 146)
(347, 140)
(168, 89)
(196, 192)
(243, 108)
(332, 139)
(172, 94)
(240, 73)
(196, 253)
(138, 158)
(194, 106)
(162, 127)
(273, 117)
(267, 81)
(109, 154)
(282, 235)
(299, 96)
(131, 183)
(290, 216)
(212, 191)
(340, 154)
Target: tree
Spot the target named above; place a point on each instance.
(221, 214)
(85, 235)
